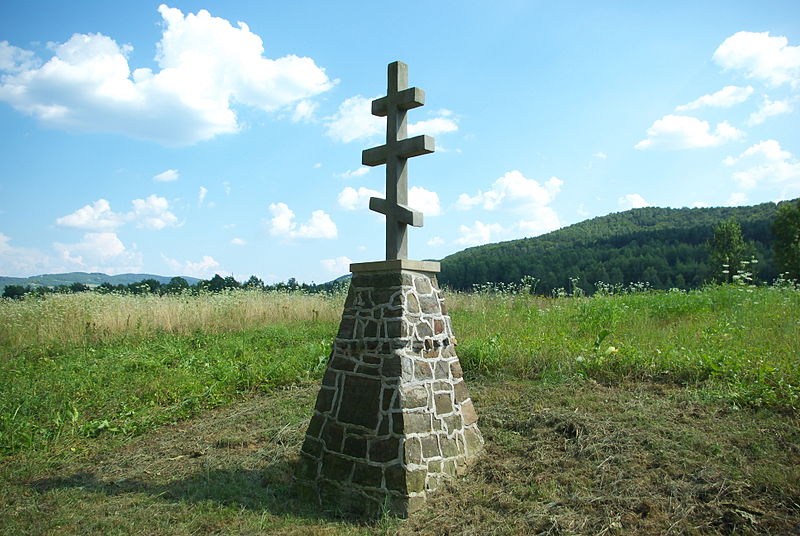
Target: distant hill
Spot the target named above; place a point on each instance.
(663, 246)
(93, 279)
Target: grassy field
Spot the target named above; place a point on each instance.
(640, 412)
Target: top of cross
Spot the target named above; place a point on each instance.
(395, 154)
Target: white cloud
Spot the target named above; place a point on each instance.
(630, 201)
(238, 242)
(339, 265)
(513, 187)
(761, 56)
(769, 108)
(766, 163)
(304, 111)
(153, 213)
(352, 199)
(425, 201)
(601, 155)
(724, 98)
(684, 132)
(149, 213)
(204, 65)
(354, 120)
(21, 262)
(100, 252)
(479, 233)
(97, 217)
(167, 176)
(282, 224)
(204, 268)
(433, 127)
(541, 220)
(358, 172)
(419, 198)
(736, 199)
(435, 241)
(201, 195)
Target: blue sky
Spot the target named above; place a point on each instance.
(194, 138)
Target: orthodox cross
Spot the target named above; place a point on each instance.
(395, 154)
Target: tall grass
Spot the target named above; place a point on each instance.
(76, 366)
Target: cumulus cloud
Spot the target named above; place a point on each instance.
(479, 233)
(769, 108)
(685, 132)
(761, 56)
(100, 252)
(167, 176)
(600, 155)
(238, 242)
(282, 224)
(21, 262)
(352, 199)
(737, 199)
(765, 163)
(205, 268)
(541, 220)
(421, 199)
(513, 187)
(724, 98)
(152, 212)
(435, 241)
(339, 265)
(354, 121)
(304, 111)
(98, 217)
(630, 201)
(201, 195)
(358, 172)
(204, 65)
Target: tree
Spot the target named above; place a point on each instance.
(15, 292)
(176, 285)
(254, 283)
(786, 229)
(727, 250)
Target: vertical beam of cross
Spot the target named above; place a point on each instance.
(395, 154)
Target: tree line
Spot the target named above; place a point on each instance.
(176, 285)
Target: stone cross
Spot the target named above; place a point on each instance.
(395, 154)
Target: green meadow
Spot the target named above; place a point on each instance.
(630, 412)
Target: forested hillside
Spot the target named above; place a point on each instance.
(663, 246)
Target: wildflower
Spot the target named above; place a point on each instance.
(612, 350)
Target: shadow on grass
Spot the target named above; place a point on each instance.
(271, 489)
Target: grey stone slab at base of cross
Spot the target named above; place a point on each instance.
(393, 418)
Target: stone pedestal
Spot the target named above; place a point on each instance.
(393, 417)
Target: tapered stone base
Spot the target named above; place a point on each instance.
(393, 417)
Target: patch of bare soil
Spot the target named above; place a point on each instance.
(565, 459)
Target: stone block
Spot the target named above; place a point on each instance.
(329, 379)
(468, 413)
(342, 363)
(384, 450)
(453, 422)
(391, 366)
(422, 371)
(307, 467)
(370, 476)
(396, 328)
(312, 446)
(430, 446)
(441, 370)
(360, 401)
(395, 478)
(355, 447)
(412, 451)
(325, 400)
(449, 447)
(461, 392)
(315, 426)
(415, 481)
(474, 441)
(455, 370)
(332, 435)
(449, 467)
(371, 328)
(412, 303)
(429, 305)
(389, 400)
(346, 328)
(438, 326)
(336, 468)
(416, 423)
(443, 403)
(423, 285)
(415, 396)
(424, 330)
